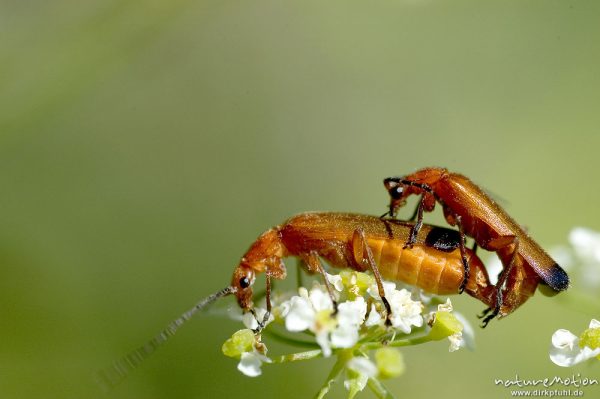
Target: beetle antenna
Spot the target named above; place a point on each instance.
(118, 371)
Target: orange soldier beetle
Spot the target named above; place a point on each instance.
(358, 242)
(361, 242)
(468, 207)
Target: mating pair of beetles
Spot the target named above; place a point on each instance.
(432, 258)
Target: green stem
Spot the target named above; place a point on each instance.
(382, 333)
(379, 389)
(299, 273)
(295, 357)
(338, 367)
(394, 344)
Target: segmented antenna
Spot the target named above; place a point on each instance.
(113, 375)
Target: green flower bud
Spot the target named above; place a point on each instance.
(389, 362)
(241, 341)
(590, 338)
(444, 325)
(356, 283)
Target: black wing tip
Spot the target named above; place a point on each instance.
(557, 279)
(443, 239)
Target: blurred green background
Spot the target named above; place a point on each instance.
(145, 144)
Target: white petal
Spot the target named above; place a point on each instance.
(388, 288)
(456, 341)
(320, 299)
(336, 281)
(362, 366)
(445, 307)
(374, 317)
(344, 337)
(322, 339)
(250, 363)
(564, 339)
(360, 382)
(352, 312)
(303, 292)
(301, 315)
(594, 323)
(566, 357)
(284, 308)
(468, 333)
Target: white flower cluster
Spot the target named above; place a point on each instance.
(360, 318)
(313, 310)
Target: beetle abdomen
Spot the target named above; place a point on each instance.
(434, 271)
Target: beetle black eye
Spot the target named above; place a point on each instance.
(396, 192)
(244, 282)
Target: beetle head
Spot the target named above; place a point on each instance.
(242, 280)
(398, 192)
(264, 256)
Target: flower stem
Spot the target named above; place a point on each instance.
(338, 367)
(399, 343)
(379, 389)
(295, 357)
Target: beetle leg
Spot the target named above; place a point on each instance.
(463, 253)
(414, 231)
(268, 299)
(502, 278)
(314, 266)
(482, 314)
(262, 323)
(360, 240)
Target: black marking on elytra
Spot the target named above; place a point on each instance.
(443, 239)
(557, 278)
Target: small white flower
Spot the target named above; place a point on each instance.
(456, 341)
(374, 318)
(350, 316)
(251, 362)
(405, 311)
(314, 311)
(565, 350)
(336, 281)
